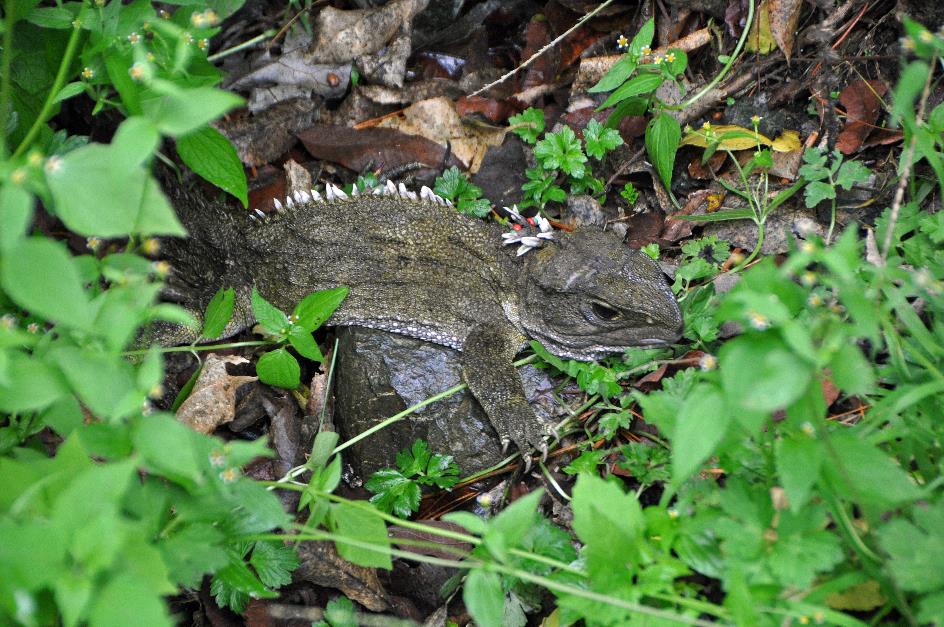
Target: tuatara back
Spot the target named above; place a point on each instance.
(417, 267)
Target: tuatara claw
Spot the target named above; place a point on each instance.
(505, 441)
(543, 449)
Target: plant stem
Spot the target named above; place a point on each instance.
(194, 348)
(731, 60)
(57, 86)
(246, 44)
(5, 79)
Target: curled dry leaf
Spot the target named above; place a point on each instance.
(213, 400)
(784, 15)
(863, 103)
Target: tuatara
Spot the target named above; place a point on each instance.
(416, 266)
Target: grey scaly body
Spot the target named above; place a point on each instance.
(417, 267)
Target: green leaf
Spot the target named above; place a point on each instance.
(851, 371)
(317, 307)
(268, 315)
(302, 341)
(16, 215)
(339, 612)
(662, 139)
(610, 524)
(211, 155)
(484, 598)
(818, 191)
(508, 529)
(529, 123)
(701, 425)
(96, 195)
(627, 64)
(720, 216)
(799, 460)
(850, 173)
(133, 144)
(274, 563)
(71, 90)
(280, 369)
(51, 17)
(916, 548)
(219, 312)
(394, 493)
(561, 151)
(760, 373)
(31, 384)
(645, 83)
(41, 276)
(356, 522)
(104, 384)
(125, 600)
(178, 111)
(169, 448)
(599, 139)
(864, 474)
(192, 551)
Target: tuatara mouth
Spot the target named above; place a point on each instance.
(596, 351)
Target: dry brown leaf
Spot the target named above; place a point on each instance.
(784, 16)
(213, 400)
(437, 120)
(863, 103)
(343, 36)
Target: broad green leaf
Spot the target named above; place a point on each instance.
(268, 315)
(169, 448)
(41, 277)
(218, 313)
(640, 84)
(125, 600)
(178, 111)
(317, 307)
(610, 524)
(134, 143)
(70, 91)
(274, 563)
(302, 341)
(97, 195)
(662, 141)
(16, 214)
(851, 371)
(760, 373)
(117, 66)
(701, 425)
(192, 551)
(625, 66)
(105, 385)
(799, 459)
(211, 155)
(507, 530)
(719, 216)
(280, 369)
(355, 522)
(31, 384)
(484, 598)
(51, 17)
(916, 548)
(865, 474)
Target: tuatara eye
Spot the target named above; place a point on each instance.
(604, 311)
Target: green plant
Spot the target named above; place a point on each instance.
(561, 158)
(822, 179)
(398, 491)
(454, 186)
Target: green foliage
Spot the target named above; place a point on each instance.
(338, 613)
(279, 367)
(824, 174)
(398, 491)
(630, 194)
(528, 125)
(455, 187)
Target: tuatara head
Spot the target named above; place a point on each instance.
(587, 295)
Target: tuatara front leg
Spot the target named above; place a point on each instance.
(487, 356)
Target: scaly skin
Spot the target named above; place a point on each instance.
(421, 269)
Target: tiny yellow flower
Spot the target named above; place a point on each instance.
(161, 268)
(808, 278)
(708, 362)
(88, 73)
(815, 300)
(151, 57)
(657, 59)
(35, 158)
(646, 50)
(7, 322)
(188, 37)
(673, 513)
(99, 3)
(293, 318)
(93, 244)
(134, 38)
(836, 308)
(229, 475)
(18, 176)
(198, 20)
(706, 126)
(926, 36)
(211, 17)
(923, 278)
(151, 246)
(670, 57)
(156, 392)
(163, 14)
(808, 247)
(33, 328)
(755, 119)
(808, 429)
(622, 42)
(137, 71)
(819, 616)
(907, 43)
(76, 23)
(804, 620)
(203, 44)
(217, 458)
(758, 320)
(688, 128)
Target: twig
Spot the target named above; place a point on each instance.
(537, 54)
(905, 173)
(246, 44)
